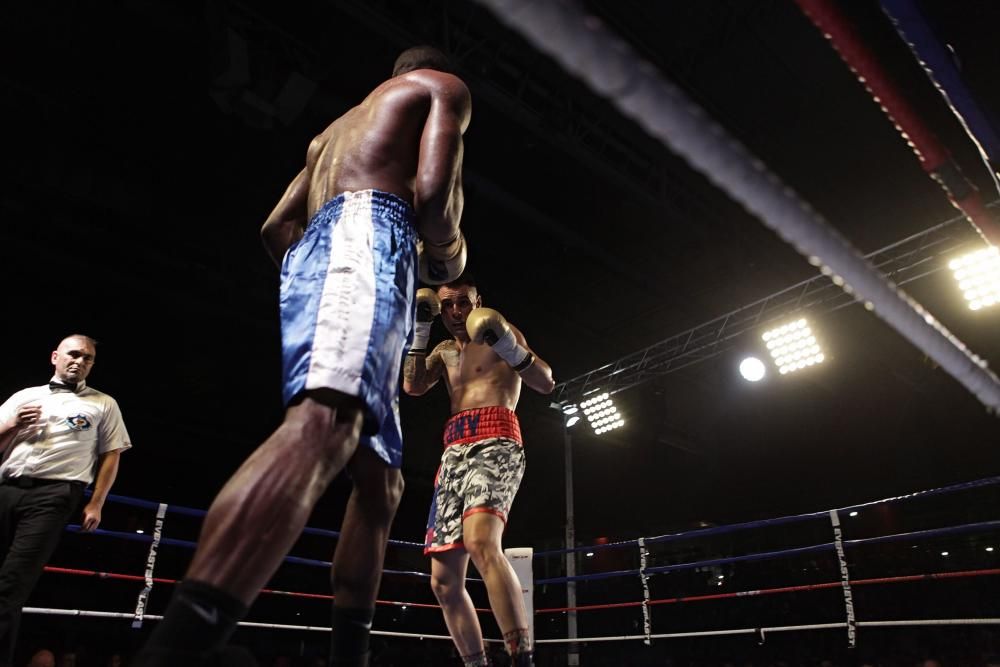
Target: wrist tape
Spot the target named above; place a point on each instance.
(507, 349)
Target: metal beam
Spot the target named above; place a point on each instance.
(903, 262)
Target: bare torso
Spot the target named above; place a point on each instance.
(377, 143)
(405, 138)
(476, 377)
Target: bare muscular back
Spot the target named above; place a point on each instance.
(405, 138)
(476, 377)
(377, 144)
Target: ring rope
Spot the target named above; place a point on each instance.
(935, 59)
(669, 635)
(795, 551)
(659, 539)
(268, 591)
(934, 159)
(800, 588)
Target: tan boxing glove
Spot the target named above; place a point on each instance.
(485, 325)
(440, 264)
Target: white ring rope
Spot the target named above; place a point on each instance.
(670, 635)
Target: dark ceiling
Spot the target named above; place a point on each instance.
(146, 141)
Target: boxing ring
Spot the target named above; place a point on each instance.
(844, 573)
(835, 572)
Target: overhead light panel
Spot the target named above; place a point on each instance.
(602, 414)
(793, 346)
(978, 276)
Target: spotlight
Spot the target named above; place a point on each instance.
(989, 548)
(752, 369)
(572, 420)
(793, 346)
(602, 413)
(944, 553)
(570, 409)
(854, 513)
(978, 276)
(590, 554)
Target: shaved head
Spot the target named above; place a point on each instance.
(74, 358)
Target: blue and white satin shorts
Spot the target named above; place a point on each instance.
(347, 294)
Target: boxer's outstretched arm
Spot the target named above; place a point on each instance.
(538, 375)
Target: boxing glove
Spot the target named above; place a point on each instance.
(439, 264)
(428, 307)
(485, 325)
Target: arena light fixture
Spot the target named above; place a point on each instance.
(752, 369)
(854, 513)
(572, 420)
(602, 413)
(793, 346)
(978, 276)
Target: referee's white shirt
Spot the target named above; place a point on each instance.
(72, 431)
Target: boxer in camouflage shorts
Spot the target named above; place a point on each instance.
(483, 365)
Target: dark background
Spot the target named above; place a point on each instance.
(145, 142)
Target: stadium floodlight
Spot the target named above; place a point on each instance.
(752, 369)
(978, 276)
(793, 346)
(602, 414)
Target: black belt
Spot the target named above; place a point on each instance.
(31, 482)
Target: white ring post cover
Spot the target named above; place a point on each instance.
(520, 559)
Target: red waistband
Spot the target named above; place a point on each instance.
(482, 423)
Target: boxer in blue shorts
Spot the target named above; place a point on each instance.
(483, 365)
(378, 203)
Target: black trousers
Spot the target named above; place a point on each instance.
(33, 514)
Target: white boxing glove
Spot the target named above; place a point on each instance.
(428, 307)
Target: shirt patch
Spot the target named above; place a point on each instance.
(79, 422)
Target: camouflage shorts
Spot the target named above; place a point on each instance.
(474, 477)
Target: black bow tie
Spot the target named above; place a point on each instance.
(55, 386)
